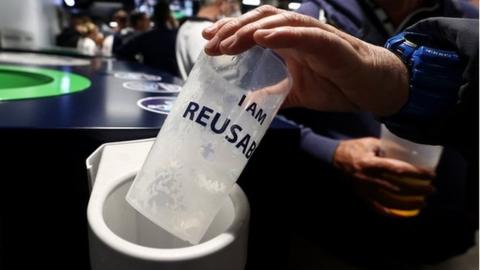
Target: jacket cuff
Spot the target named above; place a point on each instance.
(320, 147)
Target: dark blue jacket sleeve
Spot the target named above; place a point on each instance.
(320, 147)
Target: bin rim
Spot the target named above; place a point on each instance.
(102, 231)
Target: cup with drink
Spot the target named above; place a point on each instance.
(420, 155)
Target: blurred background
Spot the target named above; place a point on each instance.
(43, 20)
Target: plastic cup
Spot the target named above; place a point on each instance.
(420, 155)
(214, 127)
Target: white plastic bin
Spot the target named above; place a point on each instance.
(120, 238)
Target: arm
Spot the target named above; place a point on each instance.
(333, 71)
(375, 178)
(321, 147)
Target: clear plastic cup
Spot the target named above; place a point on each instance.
(420, 155)
(214, 127)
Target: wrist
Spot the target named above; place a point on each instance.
(342, 159)
(337, 158)
(321, 147)
(397, 91)
(390, 82)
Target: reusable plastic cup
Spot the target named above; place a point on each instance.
(214, 127)
(420, 155)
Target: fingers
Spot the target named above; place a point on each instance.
(393, 213)
(410, 185)
(377, 183)
(243, 38)
(386, 202)
(407, 192)
(415, 189)
(228, 26)
(378, 207)
(234, 36)
(225, 28)
(397, 168)
(308, 39)
(409, 180)
(392, 200)
(209, 32)
(396, 188)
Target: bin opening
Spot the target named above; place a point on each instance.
(127, 223)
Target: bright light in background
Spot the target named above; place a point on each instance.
(69, 3)
(251, 2)
(113, 24)
(293, 6)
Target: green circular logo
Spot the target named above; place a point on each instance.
(18, 82)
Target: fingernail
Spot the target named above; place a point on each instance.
(212, 44)
(265, 33)
(227, 43)
(211, 28)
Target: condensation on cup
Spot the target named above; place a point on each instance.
(215, 126)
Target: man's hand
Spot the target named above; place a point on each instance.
(331, 70)
(384, 183)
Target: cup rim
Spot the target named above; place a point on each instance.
(105, 234)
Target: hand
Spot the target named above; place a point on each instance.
(331, 70)
(384, 183)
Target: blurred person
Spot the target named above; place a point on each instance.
(323, 60)
(69, 36)
(156, 47)
(139, 22)
(91, 40)
(120, 17)
(189, 38)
